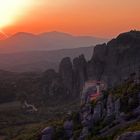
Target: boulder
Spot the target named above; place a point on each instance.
(47, 133)
(68, 128)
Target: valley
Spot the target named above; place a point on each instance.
(55, 93)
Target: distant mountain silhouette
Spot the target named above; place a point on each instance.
(46, 41)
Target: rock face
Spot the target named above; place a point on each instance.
(116, 60)
(110, 106)
(117, 107)
(66, 73)
(68, 82)
(96, 65)
(80, 73)
(112, 63)
(52, 86)
(105, 115)
(97, 112)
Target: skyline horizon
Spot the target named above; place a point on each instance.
(5, 35)
(92, 17)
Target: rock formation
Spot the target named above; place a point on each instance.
(66, 73)
(116, 63)
(80, 73)
(112, 63)
(116, 60)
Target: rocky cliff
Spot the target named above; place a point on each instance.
(112, 63)
(115, 61)
(104, 118)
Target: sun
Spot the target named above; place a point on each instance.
(11, 10)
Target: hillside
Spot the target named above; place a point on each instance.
(110, 117)
(113, 116)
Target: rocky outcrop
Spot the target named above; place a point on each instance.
(47, 133)
(68, 82)
(117, 108)
(104, 116)
(66, 73)
(98, 111)
(79, 73)
(116, 60)
(112, 63)
(96, 65)
(110, 106)
(52, 86)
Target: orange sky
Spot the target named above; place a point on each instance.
(105, 18)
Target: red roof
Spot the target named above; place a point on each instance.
(94, 96)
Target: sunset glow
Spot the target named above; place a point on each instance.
(104, 18)
(11, 10)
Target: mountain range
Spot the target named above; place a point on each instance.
(23, 41)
